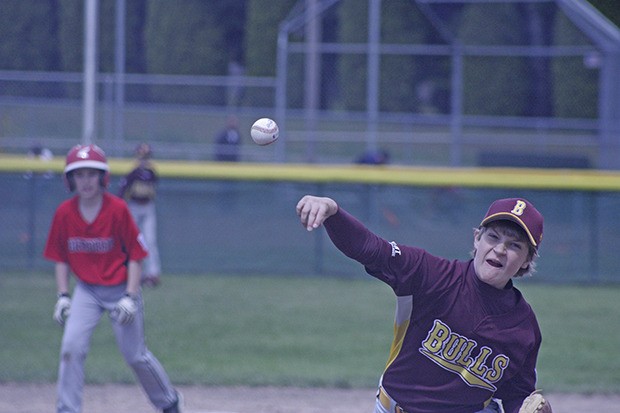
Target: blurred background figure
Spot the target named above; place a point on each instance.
(377, 157)
(228, 141)
(40, 152)
(139, 188)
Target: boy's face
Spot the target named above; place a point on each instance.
(500, 254)
(87, 182)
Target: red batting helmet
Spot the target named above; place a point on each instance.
(86, 156)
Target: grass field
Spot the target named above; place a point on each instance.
(306, 331)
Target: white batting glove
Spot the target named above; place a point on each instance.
(62, 309)
(125, 310)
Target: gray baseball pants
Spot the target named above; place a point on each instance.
(88, 305)
(145, 216)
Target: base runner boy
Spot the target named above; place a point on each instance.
(94, 236)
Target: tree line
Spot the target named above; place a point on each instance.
(215, 37)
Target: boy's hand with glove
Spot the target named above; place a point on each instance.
(125, 310)
(62, 308)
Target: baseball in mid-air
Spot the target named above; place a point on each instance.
(264, 131)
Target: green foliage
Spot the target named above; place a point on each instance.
(21, 25)
(352, 68)
(609, 8)
(261, 34)
(203, 37)
(400, 75)
(71, 34)
(400, 25)
(493, 85)
(184, 39)
(260, 330)
(28, 33)
(576, 86)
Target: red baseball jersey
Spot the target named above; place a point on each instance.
(97, 252)
(457, 341)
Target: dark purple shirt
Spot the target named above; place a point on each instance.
(458, 341)
(139, 184)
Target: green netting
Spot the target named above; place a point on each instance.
(241, 227)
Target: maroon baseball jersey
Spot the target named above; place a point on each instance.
(457, 340)
(97, 252)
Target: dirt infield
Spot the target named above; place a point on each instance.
(40, 398)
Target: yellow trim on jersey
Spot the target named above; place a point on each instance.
(397, 343)
(404, 308)
(466, 375)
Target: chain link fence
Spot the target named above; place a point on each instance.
(242, 227)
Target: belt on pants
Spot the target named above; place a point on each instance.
(386, 402)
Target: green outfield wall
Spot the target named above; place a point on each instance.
(240, 218)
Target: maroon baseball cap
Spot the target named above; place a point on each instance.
(519, 211)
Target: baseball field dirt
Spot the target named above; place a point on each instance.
(40, 398)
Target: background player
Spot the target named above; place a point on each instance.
(228, 141)
(464, 335)
(139, 188)
(94, 236)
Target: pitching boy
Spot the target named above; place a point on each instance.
(94, 236)
(464, 336)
